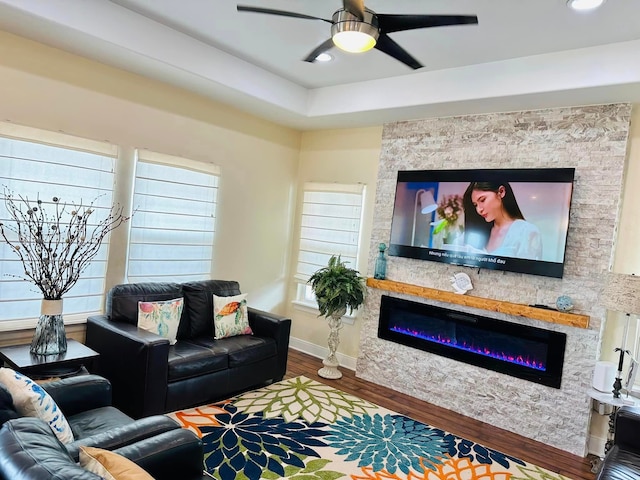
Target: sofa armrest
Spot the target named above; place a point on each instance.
(124, 435)
(170, 455)
(135, 362)
(266, 324)
(80, 393)
(627, 428)
(31, 451)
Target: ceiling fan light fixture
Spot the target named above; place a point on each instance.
(353, 35)
(584, 5)
(354, 42)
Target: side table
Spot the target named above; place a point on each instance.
(77, 357)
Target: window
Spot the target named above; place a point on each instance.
(173, 225)
(330, 225)
(40, 164)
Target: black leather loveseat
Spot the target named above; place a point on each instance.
(30, 450)
(622, 461)
(150, 376)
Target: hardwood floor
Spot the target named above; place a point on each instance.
(571, 466)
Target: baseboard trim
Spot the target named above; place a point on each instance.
(321, 352)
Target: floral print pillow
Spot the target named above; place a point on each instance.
(31, 400)
(230, 316)
(161, 318)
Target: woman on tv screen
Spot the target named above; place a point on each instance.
(494, 223)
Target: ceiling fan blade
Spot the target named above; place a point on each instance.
(323, 47)
(398, 23)
(354, 7)
(391, 48)
(282, 13)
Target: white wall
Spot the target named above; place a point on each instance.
(343, 156)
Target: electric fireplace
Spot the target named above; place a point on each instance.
(523, 351)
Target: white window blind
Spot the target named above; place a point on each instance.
(330, 225)
(173, 226)
(41, 165)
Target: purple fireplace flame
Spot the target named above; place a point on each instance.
(522, 351)
(479, 350)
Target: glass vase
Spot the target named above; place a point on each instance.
(380, 270)
(50, 337)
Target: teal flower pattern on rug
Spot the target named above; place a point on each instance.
(388, 442)
(304, 430)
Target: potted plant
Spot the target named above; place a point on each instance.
(337, 288)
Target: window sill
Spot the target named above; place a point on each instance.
(310, 308)
(30, 323)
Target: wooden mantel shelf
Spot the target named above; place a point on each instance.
(553, 316)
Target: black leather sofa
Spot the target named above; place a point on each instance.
(30, 450)
(149, 376)
(622, 461)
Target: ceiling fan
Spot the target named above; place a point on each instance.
(355, 28)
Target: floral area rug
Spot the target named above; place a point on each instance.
(303, 429)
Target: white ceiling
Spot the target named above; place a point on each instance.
(523, 54)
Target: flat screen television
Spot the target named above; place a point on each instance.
(501, 219)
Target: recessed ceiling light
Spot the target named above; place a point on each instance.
(583, 5)
(324, 57)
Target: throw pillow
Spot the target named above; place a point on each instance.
(161, 318)
(110, 465)
(31, 400)
(230, 316)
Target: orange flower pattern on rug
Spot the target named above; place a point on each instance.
(195, 418)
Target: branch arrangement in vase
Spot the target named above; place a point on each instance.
(56, 246)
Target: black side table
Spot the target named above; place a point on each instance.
(75, 360)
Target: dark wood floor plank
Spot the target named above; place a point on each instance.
(569, 465)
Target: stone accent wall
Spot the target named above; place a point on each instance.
(591, 139)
